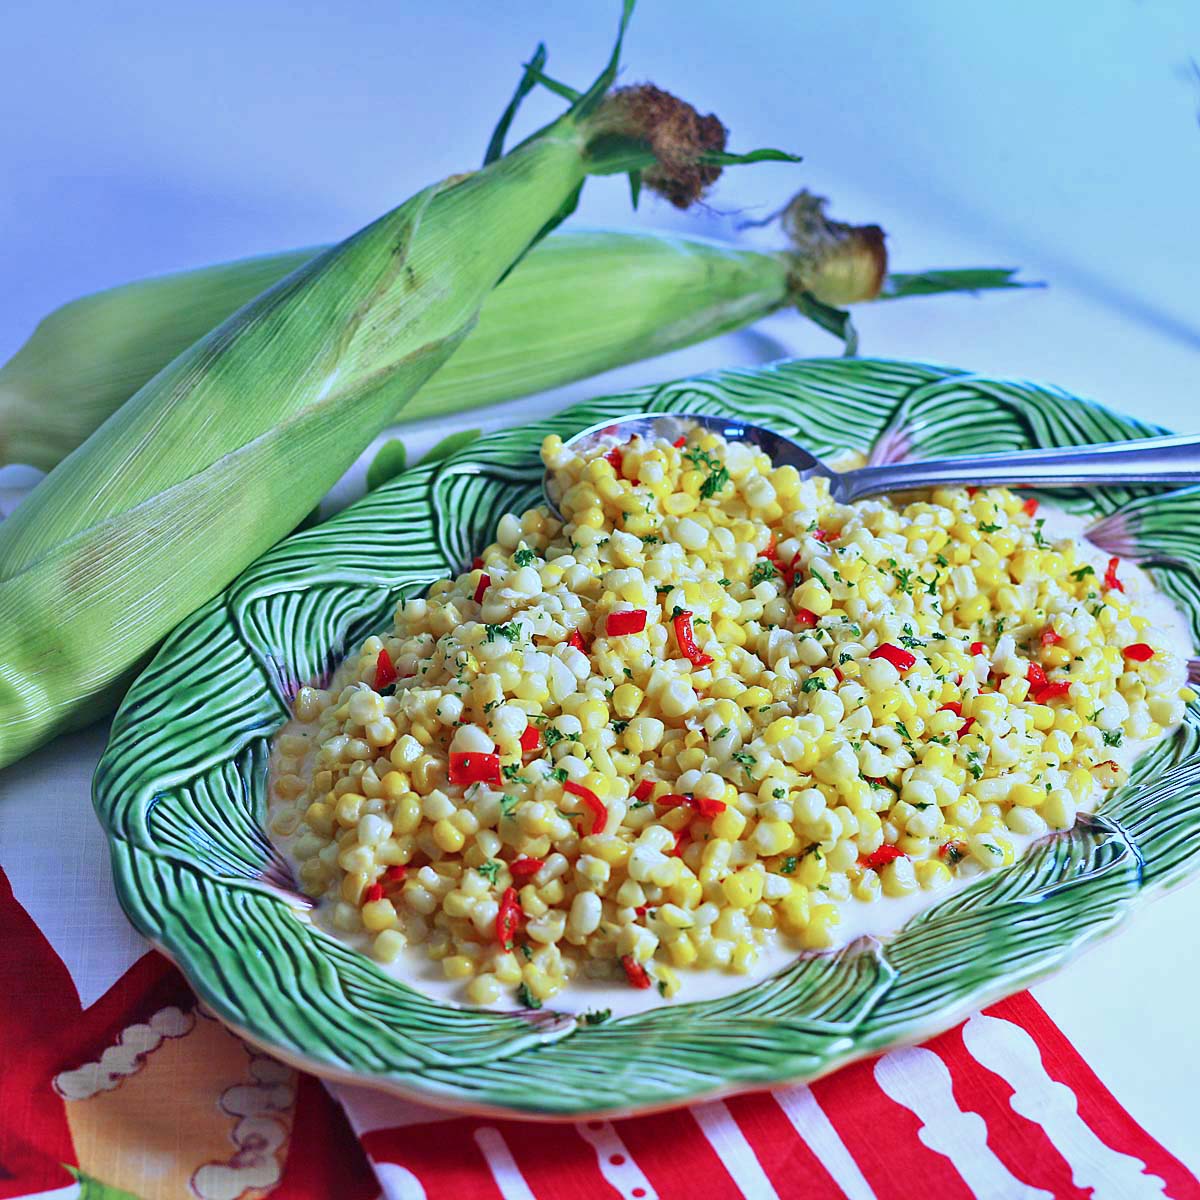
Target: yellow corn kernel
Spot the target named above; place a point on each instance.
(682, 950)
(932, 874)
(728, 824)
(1056, 656)
(448, 837)
(1042, 716)
(458, 966)
(818, 932)
(772, 837)
(743, 888)
(973, 610)
(389, 945)
(668, 981)
(1026, 795)
(483, 990)
(811, 595)
(627, 699)
(780, 728)
(378, 915)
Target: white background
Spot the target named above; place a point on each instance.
(137, 138)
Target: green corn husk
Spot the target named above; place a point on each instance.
(230, 445)
(583, 301)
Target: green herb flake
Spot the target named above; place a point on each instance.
(789, 865)
(763, 570)
(524, 557)
(489, 870)
(597, 1016)
(814, 683)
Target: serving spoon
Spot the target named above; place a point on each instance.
(1170, 460)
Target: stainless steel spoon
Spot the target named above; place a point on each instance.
(1170, 461)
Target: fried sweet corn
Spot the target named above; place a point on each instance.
(711, 708)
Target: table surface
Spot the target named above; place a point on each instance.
(139, 140)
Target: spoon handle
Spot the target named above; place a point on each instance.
(1166, 460)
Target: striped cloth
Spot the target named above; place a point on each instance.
(139, 1092)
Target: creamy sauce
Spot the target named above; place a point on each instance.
(880, 919)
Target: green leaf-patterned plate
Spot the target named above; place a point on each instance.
(181, 789)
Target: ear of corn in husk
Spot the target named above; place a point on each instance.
(581, 302)
(224, 450)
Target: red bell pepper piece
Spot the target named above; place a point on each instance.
(673, 800)
(1052, 691)
(680, 442)
(1110, 576)
(805, 618)
(682, 837)
(1051, 636)
(952, 851)
(372, 893)
(524, 869)
(485, 582)
(1030, 506)
(1139, 652)
(531, 739)
(643, 789)
(615, 458)
(686, 637)
(394, 875)
(576, 640)
(1036, 676)
(635, 972)
(708, 808)
(901, 659)
(824, 535)
(978, 648)
(592, 803)
(508, 919)
(880, 858)
(385, 671)
(618, 624)
(467, 767)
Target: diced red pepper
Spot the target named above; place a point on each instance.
(616, 458)
(485, 582)
(591, 801)
(576, 640)
(385, 671)
(394, 875)
(531, 739)
(467, 767)
(524, 869)
(1139, 652)
(686, 637)
(971, 490)
(1052, 691)
(682, 837)
(837, 674)
(1110, 576)
(708, 808)
(476, 563)
(619, 624)
(642, 909)
(508, 919)
(1051, 636)
(805, 618)
(880, 858)
(824, 535)
(372, 893)
(1036, 676)
(643, 789)
(901, 659)
(673, 800)
(978, 648)
(680, 441)
(635, 972)
(1030, 506)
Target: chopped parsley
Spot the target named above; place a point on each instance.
(524, 557)
(552, 735)
(763, 570)
(489, 870)
(619, 727)
(723, 582)
(1081, 573)
(662, 987)
(942, 560)
(902, 730)
(724, 731)
(558, 774)
(507, 804)
(527, 950)
(597, 1016)
(814, 683)
(511, 631)
(512, 772)
(1113, 737)
(910, 642)
(988, 527)
(904, 580)
(789, 865)
(1038, 539)
(649, 539)
(714, 484)
(779, 793)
